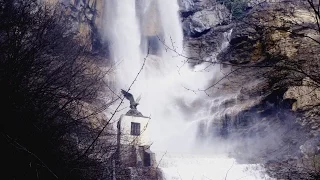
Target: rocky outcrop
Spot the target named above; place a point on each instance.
(282, 37)
(205, 25)
(206, 46)
(306, 95)
(87, 18)
(199, 16)
(202, 21)
(203, 17)
(189, 7)
(270, 32)
(278, 44)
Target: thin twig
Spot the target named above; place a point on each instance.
(161, 159)
(228, 171)
(26, 150)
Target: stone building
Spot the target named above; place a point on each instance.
(134, 141)
(134, 154)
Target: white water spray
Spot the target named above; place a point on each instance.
(163, 83)
(123, 34)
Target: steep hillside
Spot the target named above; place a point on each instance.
(274, 60)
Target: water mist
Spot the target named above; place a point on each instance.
(163, 84)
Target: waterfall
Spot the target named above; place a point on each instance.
(123, 33)
(133, 27)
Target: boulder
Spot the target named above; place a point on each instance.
(187, 5)
(202, 21)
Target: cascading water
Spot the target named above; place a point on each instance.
(163, 83)
(124, 35)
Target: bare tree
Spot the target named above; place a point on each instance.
(50, 85)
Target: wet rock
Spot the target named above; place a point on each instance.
(87, 23)
(191, 6)
(251, 41)
(207, 45)
(311, 147)
(202, 21)
(188, 6)
(306, 95)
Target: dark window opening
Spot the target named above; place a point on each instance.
(147, 159)
(135, 129)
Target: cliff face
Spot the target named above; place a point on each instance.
(274, 56)
(204, 23)
(87, 18)
(278, 44)
(282, 39)
(273, 31)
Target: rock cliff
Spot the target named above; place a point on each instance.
(87, 18)
(278, 44)
(281, 40)
(274, 59)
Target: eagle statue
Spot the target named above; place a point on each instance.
(129, 96)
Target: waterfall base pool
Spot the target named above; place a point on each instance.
(177, 166)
